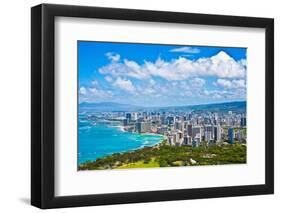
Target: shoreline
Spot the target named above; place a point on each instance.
(160, 156)
(125, 152)
(143, 145)
(148, 133)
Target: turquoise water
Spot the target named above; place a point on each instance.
(96, 140)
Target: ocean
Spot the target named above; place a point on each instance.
(96, 140)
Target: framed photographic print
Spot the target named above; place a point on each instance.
(139, 106)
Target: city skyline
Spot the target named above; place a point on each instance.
(160, 75)
(155, 138)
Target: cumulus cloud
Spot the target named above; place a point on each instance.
(224, 94)
(191, 50)
(197, 82)
(113, 57)
(95, 82)
(231, 84)
(90, 94)
(83, 91)
(125, 69)
(124, 85)
(150, 88)
(220, 65)
(100, 93)
(198, 88)
(152, 82)
(108, 78)
(179, 80)
(243, 62)
(147, 91)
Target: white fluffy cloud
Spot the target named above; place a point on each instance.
(224, 94)
(179, 80)
(191, 50)
(231, 84)
(100, 93)
(108, 78)
(220, 65)
(112, 56)
(95, 82)
(124, 85)
(197, 82)
(93, 94)
(83, 91)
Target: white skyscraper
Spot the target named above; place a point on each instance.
(217, 133)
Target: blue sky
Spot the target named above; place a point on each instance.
(160, 75)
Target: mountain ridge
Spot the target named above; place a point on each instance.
(114, 106)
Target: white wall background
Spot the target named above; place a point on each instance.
(15, 105)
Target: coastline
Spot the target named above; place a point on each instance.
(120, 127)
(145, 142)
(163, 155)
(149, 149)
(125, 152)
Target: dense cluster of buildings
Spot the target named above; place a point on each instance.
(190, 129)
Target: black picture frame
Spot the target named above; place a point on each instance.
(43, 102)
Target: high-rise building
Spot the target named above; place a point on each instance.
(239, 135)
(243, 121)
(146, 127)
(208, 136)
(187, 140)
(128, 117)
(142, 127)
(134, 116)
(172, 139)
(179, 138)
(163, 119)
(138, 127)
(189, 130)
(231, 136)
(196, 130)
(125, 122)
(179, 125)
(217, 133)
(209, 132)
(197, 140)
(169, 120)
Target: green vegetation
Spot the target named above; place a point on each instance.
(164, 155)
(140, 164)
